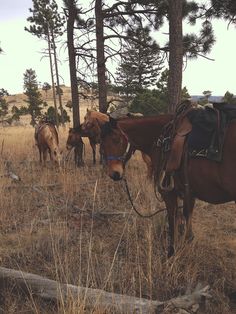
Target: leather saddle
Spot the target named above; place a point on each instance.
(183, 128)
(205, 129)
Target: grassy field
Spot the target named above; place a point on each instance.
(77, 226)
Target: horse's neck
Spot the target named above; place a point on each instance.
(101, 117)
(54, 133)
(143, 132)
(146, 126)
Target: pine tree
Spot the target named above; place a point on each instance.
(141, 63)
(3, 104)
(229, 98)
(46, 87)
(35, 102)
(152, 102)
(46, 23)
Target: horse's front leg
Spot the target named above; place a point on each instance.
(40, 156)
(188, 206)
(94, 153)
(170, 199)
(79, 155)
(50, 154)
(101, 155)
(45, 152)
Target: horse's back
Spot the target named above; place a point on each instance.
(214, 181)
(47, 135)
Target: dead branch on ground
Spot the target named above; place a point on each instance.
(54, 291)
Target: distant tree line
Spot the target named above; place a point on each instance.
(123, 33)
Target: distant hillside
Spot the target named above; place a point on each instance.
(18, 100)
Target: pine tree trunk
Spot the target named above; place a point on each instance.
(176, 53)
(72, 63)
(57, 78)
(53, 85)
(101, 68)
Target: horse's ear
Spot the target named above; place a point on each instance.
(113, 122)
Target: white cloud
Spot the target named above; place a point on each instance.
(217, 76)
(22, 51)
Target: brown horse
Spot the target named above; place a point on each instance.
(46, 137)
(93, 122)
(207, 180)
(120, 136)
(74, 140)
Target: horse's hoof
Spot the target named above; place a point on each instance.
(80, 164)
(181, 229)
(190, 238)
(171, 251)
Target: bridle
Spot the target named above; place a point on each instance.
(124, 156)
(123, 159)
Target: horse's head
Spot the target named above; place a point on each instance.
(52, 139)
(57, 156)
(74, 137)
(88, 121)
(93, 120)
(116, 148)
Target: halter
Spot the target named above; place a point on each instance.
(123, 157)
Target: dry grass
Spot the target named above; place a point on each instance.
(60, 225)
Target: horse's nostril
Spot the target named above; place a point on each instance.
(116, 176)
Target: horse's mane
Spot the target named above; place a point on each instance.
(92, 114)
(106, 129)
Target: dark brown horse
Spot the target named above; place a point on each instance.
(75, 140)
(207, 180)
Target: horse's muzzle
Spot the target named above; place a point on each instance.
(116, 176)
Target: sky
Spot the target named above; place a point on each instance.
(23, 51)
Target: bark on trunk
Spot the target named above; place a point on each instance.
(72, 62)
(101, 64)
(53, 84)
(57, 78)
(176, 53)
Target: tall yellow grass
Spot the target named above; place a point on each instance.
(77, 226)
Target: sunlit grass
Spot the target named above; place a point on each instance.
(77, 226)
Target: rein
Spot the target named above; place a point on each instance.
(135, 209)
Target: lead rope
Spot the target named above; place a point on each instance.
(134, 208)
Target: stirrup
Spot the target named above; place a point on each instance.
(166, 178)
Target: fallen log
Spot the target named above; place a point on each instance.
(54, 291)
